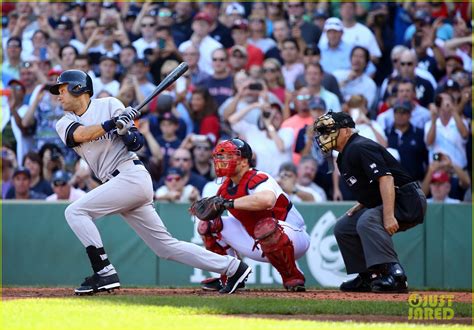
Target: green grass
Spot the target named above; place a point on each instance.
(189, 312)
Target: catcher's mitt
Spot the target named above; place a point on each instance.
(210, 208)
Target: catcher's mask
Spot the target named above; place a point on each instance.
(226, 155)
(326, 129)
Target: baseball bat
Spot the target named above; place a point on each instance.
(164, 84)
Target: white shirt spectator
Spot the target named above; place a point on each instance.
(74, 195)
(419, 117)
(112, 87)
(362, 85)
(206, 48)
(290, 73)
(140, 45)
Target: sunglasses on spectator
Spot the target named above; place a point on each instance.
(273, 70)
(148, 25)
(406, 63)
(220, 59)
(173, 178)
(59, 183)
(182, 159)
(13, 45)
(303, 97)
(165, 14)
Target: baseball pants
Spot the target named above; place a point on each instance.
(363, 240)
(130, 194)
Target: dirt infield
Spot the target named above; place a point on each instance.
(464, 297)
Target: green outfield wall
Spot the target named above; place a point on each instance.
(39, 248)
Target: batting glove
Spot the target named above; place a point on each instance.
(127, 123)
(131, 112)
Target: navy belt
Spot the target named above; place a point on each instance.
(135, 161)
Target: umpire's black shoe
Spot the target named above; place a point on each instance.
(393, 280)
(235, 281)
(361, 283)
(97, 283)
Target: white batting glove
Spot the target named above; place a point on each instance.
(127, 123)
(131, 112)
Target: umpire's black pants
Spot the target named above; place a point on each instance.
(363, 241)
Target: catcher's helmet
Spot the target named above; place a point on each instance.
(227, 153)
(326, 129)
(78, 83)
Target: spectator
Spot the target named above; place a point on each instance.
(195, 76)
(447, 132)
(358, 110)
(203, 112)
(140, 69)
(305, 137)
(314, 77)
(258, 34)
(287, 179)
(147, 25)
(275, 82)
(130, 93)
(21, 186)
(63, 190)
(306, 174)
(220, 84)
(453, 62)
(424, 90)
(406, 92)
(217, 30)
(240, 36)
(181, 28)
(32, 161)
(200, 38)
(335, 52)
(292, 66)
(408, 141)
(8, 164)
(166, 51)
(68, 54)
(52, 160)
(271, 143)
(233, 12)
(439, 187)
(64, 34)
(83, 63)
(202, 156)
(165, 17)
(237, 59)
(422, 17)
(461, 43)
(281, 32)
(11, 64)
(106, 81)
(355, 81)
(308, 31)
(175, 188)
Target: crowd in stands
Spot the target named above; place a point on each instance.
(262, 71)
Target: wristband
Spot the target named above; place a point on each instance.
(109, 125)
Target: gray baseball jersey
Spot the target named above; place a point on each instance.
(106, 153)
(129, 192)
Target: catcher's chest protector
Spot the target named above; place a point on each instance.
(250, 181)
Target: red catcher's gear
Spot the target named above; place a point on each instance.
(250, 180)
(226, 155)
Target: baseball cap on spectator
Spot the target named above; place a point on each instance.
(423, 16)
(235, 8)
(202, 16)
(312, 50)
(403, 106)
(54, 72)
(238, 49)
(169, 117)
(107, 57)
(333, 23)
(450, 84)
(175, 171)
(240, 24)
(440, 177)
(22, 170)
(18, 82)
(64, 23)
(164, 103)
(317, 103)
(320, 14)
(60, 178)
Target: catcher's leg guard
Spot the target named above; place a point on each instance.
(210, 231)
(279, 250)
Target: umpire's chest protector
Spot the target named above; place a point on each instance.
(250, 181)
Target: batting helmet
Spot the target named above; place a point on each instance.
(227, 153)
(78, 83)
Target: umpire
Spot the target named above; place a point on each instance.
(389, 200)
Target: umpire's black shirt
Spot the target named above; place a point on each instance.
(362, 162)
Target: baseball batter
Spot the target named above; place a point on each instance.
(89, 127)
(262, 223)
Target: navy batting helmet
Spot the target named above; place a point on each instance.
(78, 83)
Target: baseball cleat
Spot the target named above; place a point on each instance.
(211, 284)
(238, 279)
(295, 286)
(97, 283)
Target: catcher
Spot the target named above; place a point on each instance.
(263, 224)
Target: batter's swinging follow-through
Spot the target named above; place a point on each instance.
(90, 127)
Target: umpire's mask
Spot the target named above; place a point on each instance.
(326, 129)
